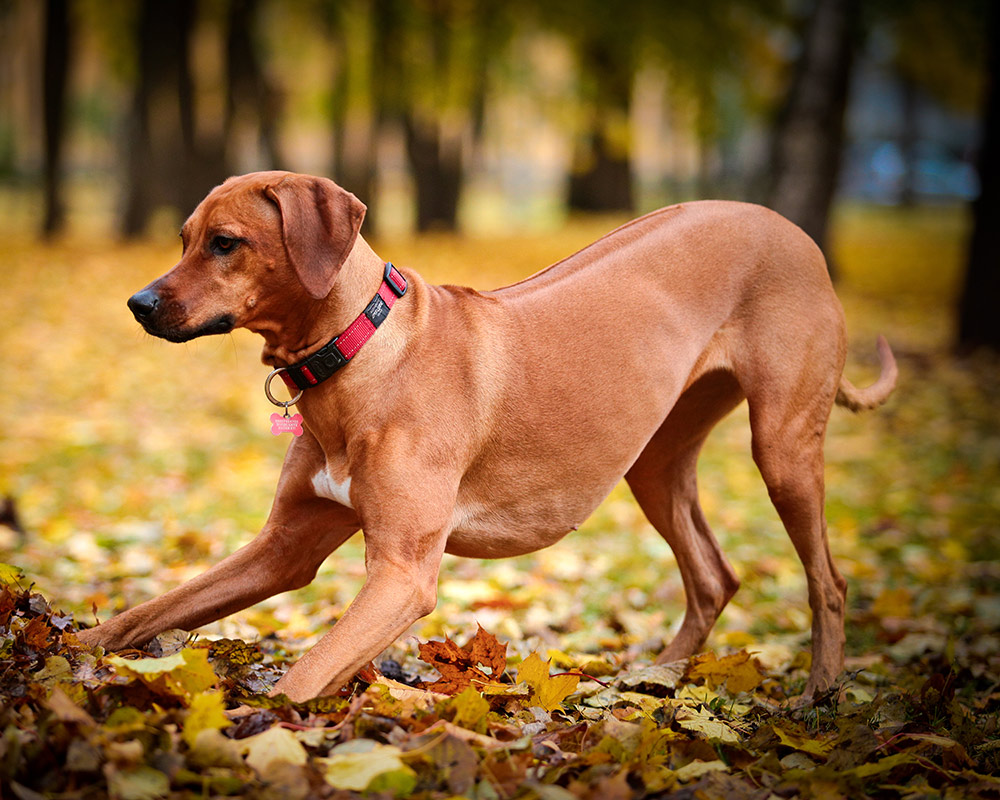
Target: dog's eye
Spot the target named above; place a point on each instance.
(223, 245)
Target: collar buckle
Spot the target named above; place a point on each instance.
(394, 279)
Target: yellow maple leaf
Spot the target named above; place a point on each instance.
(207, 711)
(549, 691)
(737, 671)
(805, 744)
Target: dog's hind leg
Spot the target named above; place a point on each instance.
(664, 482)
(790, 404)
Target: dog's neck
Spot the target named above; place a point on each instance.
(311, 324)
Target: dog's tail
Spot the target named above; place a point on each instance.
(849, 396)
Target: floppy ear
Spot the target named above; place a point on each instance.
(319, 224)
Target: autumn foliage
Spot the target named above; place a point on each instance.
(144, 727)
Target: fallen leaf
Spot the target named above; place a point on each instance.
(470, 737)
(659, 680)
(695, 769)
(181, 674)
(803, 743)
(706, 725)
(461, 666)
(470, 710)
(11, 575)
(138, 783)
(486, 650)
(66, 710)
(738, 671)
(207, 710)
(366, 766)
(56, 670)
(36, 633)
(412, 698)
(549, 692)
(893, 603)
(266, 752)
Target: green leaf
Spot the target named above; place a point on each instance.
(138, 783)
(10, 575)
(363, 765)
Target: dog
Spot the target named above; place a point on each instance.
(489, 424)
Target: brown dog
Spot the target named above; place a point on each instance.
(490, 424)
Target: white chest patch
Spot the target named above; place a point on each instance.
(326, 487)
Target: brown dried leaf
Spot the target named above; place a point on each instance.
(486, 650)
(458, 665)
(36, 633)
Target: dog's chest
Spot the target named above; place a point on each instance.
(334, 484)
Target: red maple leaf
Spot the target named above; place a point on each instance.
(461, 666)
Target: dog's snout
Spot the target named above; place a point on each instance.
(143, 303)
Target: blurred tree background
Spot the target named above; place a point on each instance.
(465, 114)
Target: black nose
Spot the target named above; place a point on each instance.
(143, 303)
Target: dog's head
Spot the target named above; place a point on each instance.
(255, 242)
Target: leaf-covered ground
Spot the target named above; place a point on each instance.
(133, 464)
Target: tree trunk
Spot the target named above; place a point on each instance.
(437, 172)
(161, 168)
(602, 175)
(247, 86)
(601, 179)
(355, 165)
(809, 135)
(56, 71)
(978, 320)
(356, 125)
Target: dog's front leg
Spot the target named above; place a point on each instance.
(270, 564)
(400, 588)
(301, 531)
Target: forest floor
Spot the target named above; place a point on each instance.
(133, 464)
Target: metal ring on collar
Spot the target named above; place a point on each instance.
(271, 397)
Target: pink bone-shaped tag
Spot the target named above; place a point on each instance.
(281, 424)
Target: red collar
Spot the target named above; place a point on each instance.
(316, 368)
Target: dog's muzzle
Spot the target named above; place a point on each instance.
(148, 309)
